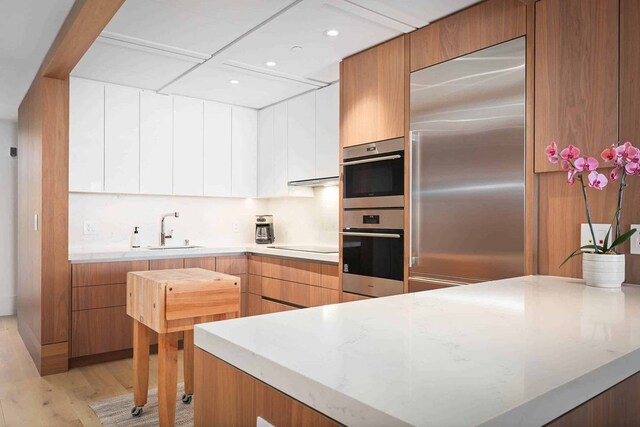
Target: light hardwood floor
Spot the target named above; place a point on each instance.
(26, 399)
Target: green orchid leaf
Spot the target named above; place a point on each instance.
(606, 240)
(579, 251)
(623, 238)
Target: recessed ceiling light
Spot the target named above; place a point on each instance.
(270, 63)
(296, 49)
(332, 33)
(234, 81)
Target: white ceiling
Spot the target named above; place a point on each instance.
(194, 47)
(27, 29)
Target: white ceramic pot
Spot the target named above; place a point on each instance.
(603, 270)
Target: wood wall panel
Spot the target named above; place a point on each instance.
(561, 213)
(372, 94)
(483, 25)
(230, 397)
(576, 79)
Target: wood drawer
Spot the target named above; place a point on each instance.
(185, 300)
(255, 265)
(100, 331)
(101, 296)
(269, 306)
(290, 270)
(166, 264)
(232, 264)
(208, 263)
(421, 285)
(348, 297)
(329, 278)
(251, 304)
(255, 284)
(297, 293)
(104, 273)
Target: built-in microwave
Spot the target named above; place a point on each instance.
(373, 175)
(373, 252)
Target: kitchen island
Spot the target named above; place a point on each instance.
(521, 351)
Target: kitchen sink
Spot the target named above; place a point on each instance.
(160, 248)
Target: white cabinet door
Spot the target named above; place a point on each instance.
(244, 152)
(217, 149)
(266, 155)
(156, 143)
(187, 146)
(280, 155)
(86, 135)
(327, 131)
(302, 137)
(121, 139)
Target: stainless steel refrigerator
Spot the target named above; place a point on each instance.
(468, 166)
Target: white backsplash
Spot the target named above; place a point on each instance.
(204, 221)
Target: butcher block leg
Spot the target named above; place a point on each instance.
(167, 378)
(188, 362)
(140, 363)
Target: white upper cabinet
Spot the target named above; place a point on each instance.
(280, 150)
(121, 139)
(156, 143)
(244, 152)
(86, 135)
(302, 137)
(217, 149)
(266, 153)
(188, 146)
(327, 131)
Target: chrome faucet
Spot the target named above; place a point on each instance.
(163, 235)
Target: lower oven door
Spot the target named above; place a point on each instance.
(372, 262)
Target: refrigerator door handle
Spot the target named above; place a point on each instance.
(375, 159)
(412, 259)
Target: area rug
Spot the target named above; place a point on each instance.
(117, 411)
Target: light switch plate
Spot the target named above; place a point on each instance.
(90, 227)
(600, 230)
(235, 227)
(635, 240)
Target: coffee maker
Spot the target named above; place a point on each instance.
(264, 229)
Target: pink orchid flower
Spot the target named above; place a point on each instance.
(566, 165)
(586, 164)
(627, 151)
(570, 153)
(571, 176)
(552, 152)
(615, 173)
(597, 180)
(632, 168)
(609, 154)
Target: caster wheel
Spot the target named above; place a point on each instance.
(136, 411)
(186, 398)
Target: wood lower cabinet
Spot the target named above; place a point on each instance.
(102, 296)
(229, 397)
(268, 306)
(208, 263)
(166, 264)
(100, 331)
(297, 293)
(104, 273)
(349, 297)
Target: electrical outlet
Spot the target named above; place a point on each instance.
(635, 240)
(90, 227)
(236, 227)
(600, 230)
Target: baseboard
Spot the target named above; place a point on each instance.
(8, 305)
(54, 358)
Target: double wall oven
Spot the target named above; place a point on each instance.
(373, 218)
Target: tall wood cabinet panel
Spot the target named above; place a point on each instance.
(576, 79)
(301, 127)
(217, 149)
(188, 146)
(372, 94)
(483, 25)
(121, 139)
(327, 131)
(244, 152)
(156, 143)
(86, 135)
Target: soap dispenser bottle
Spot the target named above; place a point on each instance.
(135, 238)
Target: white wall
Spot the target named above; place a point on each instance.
(8, 214)
(204, 221)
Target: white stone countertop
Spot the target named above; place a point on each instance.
(111, 255)
(521, 351)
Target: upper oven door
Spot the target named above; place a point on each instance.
(374, 175)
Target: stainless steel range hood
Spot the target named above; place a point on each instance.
(316, 182)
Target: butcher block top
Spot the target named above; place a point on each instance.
(174, 300)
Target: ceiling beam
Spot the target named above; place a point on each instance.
(83, 25)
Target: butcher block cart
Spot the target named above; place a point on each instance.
(170, 302)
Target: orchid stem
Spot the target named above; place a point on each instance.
(586, 205)
(620, 196)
